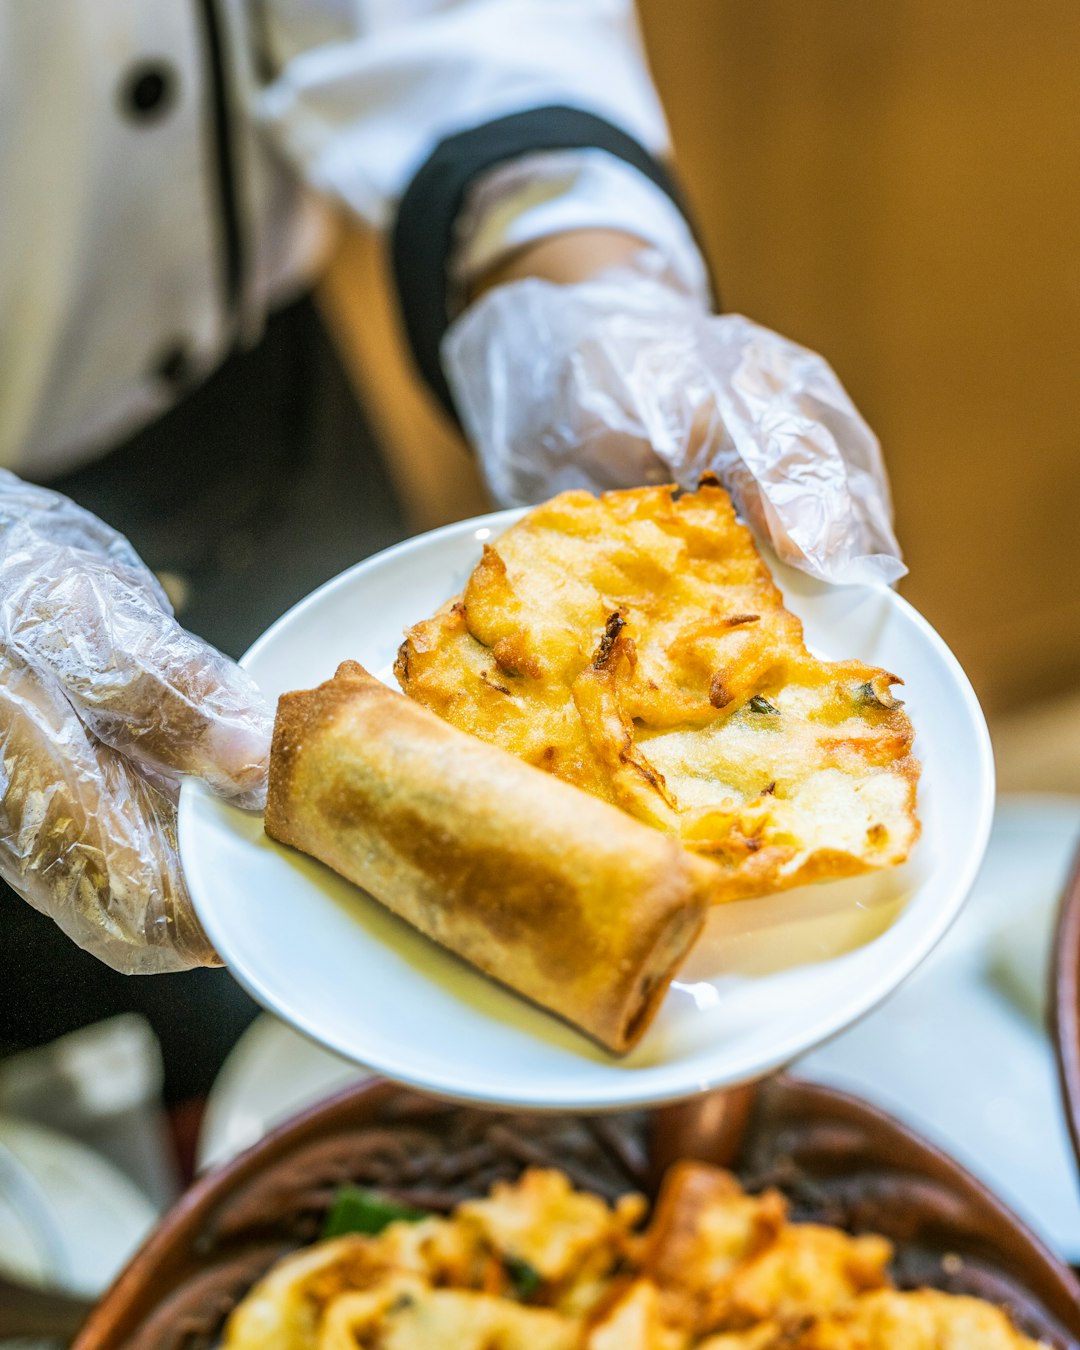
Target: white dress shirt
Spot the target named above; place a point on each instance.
(166, 168)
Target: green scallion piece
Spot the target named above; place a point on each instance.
(524, 1277)
(356, 1210)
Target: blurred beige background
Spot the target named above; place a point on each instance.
(896, 186)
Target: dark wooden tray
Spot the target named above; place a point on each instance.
(1065, 1002)
(840, 1160)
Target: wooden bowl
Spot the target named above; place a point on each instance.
(838, 1159)
(1065, 1002)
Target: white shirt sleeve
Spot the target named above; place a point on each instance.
(359, 92)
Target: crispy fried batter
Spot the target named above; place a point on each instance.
(636, 646)
(922, 1319)
(716, 1269)
(541, 1219)
(728, 1260)
(406, 1314)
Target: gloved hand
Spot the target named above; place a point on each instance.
(104, 702)
(628, 379)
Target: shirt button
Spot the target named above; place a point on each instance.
(148, 91)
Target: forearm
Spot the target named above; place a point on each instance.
(573, 256)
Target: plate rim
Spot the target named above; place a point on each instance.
(640, 1089)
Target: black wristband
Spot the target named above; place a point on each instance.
(423, 235)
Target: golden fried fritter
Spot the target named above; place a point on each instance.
(635, 645)
(542, 1220)
(724, 1259)
(406, 1314)
(539, 1266)
(920, 1319)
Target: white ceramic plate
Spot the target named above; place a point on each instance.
(67, 1217)
(770, 977)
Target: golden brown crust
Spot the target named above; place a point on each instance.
(556, 894)
(715, 1269)
(636, 646)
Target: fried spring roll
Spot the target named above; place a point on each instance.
(558, 895)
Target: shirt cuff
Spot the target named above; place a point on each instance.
(554, 191)
(425, 237)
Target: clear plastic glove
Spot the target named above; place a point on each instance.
(627, 379)
(105, 701)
